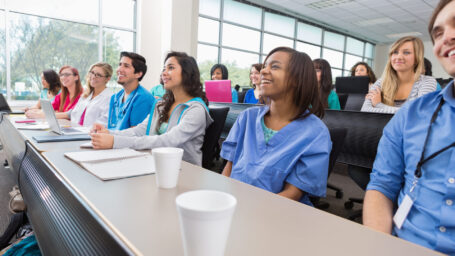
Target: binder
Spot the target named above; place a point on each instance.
(60, 138)
(113, 164)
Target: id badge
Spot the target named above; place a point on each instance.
(403, 211)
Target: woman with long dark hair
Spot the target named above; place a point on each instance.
(51, 87)
(220, 72)
(282, 147)
(329, 98)
(178, 120)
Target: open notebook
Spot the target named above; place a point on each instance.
(114, 163)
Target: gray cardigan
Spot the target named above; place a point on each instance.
(186, 130)
(423, 85)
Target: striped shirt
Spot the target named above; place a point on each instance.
(422, 86)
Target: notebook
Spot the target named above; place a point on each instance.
(218, 90)
(4, 106)
(61, 138)
(114, 164)
(53, 122)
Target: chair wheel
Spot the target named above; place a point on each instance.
(348, 205)
(339, 194)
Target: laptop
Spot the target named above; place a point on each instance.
(4, 107)
(352, 84)
(55, 126)
(218, 90)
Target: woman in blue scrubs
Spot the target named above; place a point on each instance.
(282, 147)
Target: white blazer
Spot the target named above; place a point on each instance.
(97, 109)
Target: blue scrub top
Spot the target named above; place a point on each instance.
(297, 154)
(431, 220)
(249, 97)
(123, 115)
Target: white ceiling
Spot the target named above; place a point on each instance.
(347, 16)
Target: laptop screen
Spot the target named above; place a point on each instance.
(50, 116)
(352, 84)
(218, 90)
(4, 104)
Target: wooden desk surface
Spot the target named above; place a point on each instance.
(145, 217)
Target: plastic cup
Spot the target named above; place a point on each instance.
(167, 166)
(205, 220)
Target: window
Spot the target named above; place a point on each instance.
(335, 58)
(2, 53)
(61, 9)
(242, 14)
(354, 46)
(334, 41)
(241, 38)
(271, 42)
(41, 43)
(238, 34)
(207, 56)
(49, 34)
(210, 8)
(313, 51)
(309, 33)
(238, 64)
(350, 61)
(208, 30)
(114, 13)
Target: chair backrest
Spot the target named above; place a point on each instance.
(343, 97)
(337, 135)
(364, 130)
(242, 95)
(212, 135)
(234, 110)
(354, 102)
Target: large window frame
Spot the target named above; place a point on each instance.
(100, 38)
(344, 70)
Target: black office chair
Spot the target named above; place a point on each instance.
(242, 95)
(342, 97)
(361, 177)
(212, 135)
(354, 102)
(337, 136)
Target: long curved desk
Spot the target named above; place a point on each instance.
(75, 213)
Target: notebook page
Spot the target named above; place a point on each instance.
(103, 155)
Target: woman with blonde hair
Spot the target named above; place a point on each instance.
(93, 106)
(402, 80)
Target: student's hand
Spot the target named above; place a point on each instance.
(99, 128)
(102, 140)
(34, 114)
(374, 96)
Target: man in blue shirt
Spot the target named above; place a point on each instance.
(415, 163)
(131, 105)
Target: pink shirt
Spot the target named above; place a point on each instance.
(68, 105)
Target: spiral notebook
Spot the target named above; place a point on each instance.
(114, 164)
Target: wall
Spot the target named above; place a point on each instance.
(165, 25)
(382, 53)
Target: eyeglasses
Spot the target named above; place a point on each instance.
(96, 75)
(66, 74)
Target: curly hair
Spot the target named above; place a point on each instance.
(370, 72)
(191, 83)
(53, 80)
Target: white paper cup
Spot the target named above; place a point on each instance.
(205, 220)
(167, 166)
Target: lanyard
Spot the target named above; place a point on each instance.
(418, 171)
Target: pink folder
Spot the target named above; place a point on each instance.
(218, 90)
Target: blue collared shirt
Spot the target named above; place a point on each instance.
(297, 154)
(431, 220)
(133, 111)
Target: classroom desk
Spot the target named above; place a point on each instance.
(142, 218)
